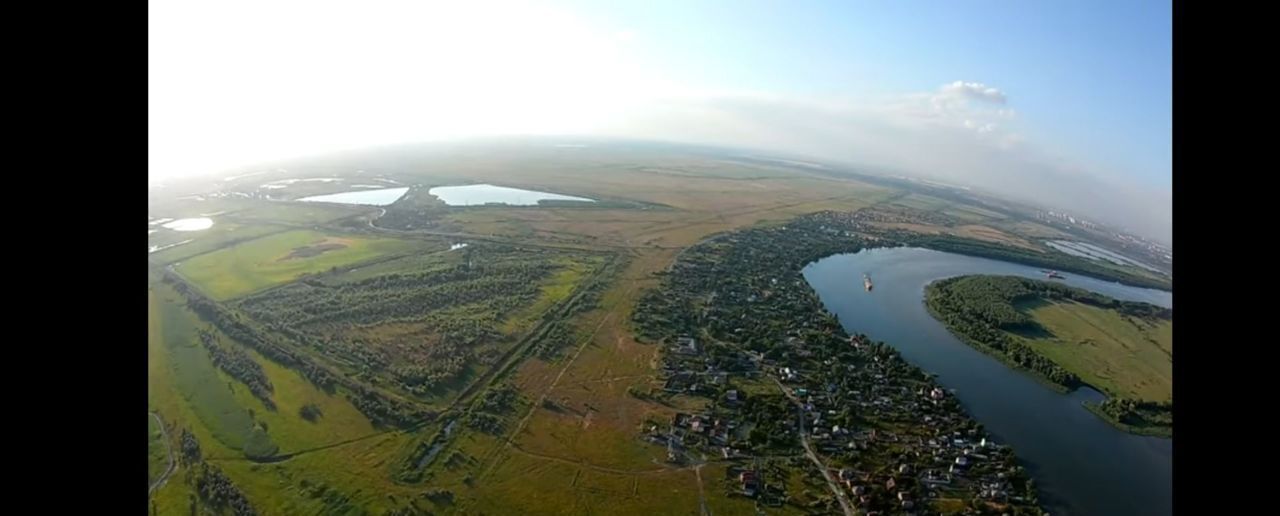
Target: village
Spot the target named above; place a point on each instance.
(742, 330)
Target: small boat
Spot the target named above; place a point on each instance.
(1053, 275)
(866, 282)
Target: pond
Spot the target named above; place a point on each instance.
(381, 197)
(479, 195)
(1081, 464)
(192, 224)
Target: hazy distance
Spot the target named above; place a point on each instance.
(1065, 105)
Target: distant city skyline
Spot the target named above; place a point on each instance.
(1062, 103)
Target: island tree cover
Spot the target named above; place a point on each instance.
(984, 311)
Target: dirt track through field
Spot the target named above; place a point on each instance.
(164, 436)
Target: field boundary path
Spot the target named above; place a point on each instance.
(164, 435)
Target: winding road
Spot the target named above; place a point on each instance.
(164, 436)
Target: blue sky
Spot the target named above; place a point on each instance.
(1092, 78)
(1064, 103)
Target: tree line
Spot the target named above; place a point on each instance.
(378, 407)
(211, 485)
(239, 365)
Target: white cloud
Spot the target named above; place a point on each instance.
(975, 91)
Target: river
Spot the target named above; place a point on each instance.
(1082, 465)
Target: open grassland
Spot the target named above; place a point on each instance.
(222, 234)
(187, 390)
(972, 213)
(338, 420)
(538, 485)
(346, 479)
(202, 387)
(264, 262)
(252, 210)
(1120, 355)
(1030, 229)
(922, 202)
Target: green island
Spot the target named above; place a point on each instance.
(1069, 337)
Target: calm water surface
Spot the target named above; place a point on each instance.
(479, 195)
(381, 197)
(1082, 465)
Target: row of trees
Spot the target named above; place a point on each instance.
(384, 410)
(237, 363)
(457, 309)
(556, 337)
(189, 448)
(212, 486)
(487, 414)
(378, 407)
(216, 490)
(1140, 413)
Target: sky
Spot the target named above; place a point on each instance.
(1067, 103)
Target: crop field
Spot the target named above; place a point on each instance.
(264, 262)
(1122, 356)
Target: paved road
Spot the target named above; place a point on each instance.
(168, 449)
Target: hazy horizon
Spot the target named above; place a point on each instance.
(1065, 105)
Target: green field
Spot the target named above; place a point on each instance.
(207, 391)
(972, 213)
(1120, 355)
(257, 264)
(220, 235)
(922, 202)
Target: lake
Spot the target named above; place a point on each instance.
(479, 195)
(1082, 465)
(192, 224)
(381, 197)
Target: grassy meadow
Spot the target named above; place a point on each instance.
(276, 259)
(1120, 355)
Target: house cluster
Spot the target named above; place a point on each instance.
(748, 320)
